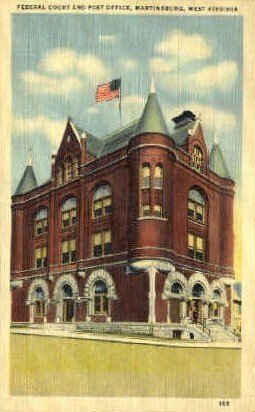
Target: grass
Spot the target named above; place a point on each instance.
(43, 365)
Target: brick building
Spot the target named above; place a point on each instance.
(135, 227)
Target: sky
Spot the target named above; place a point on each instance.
(58, 61)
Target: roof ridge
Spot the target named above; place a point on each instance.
(109, 135)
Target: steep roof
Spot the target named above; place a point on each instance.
(27, 182)
(152, 119)
(217, 162)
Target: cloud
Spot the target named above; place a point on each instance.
(213, 119)
(128, 64)
(39, 83)
(62, 71)
(66, 61)
(52, 129)
(185, 47)
(58, 61)
(221, 76)
(107, 38)
(161, 65)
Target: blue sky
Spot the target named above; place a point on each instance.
(58, 60)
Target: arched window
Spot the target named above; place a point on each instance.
(197, 158)
(145, 177)
(158, 177)
(39, 304)
(196, 206)
(198, 291)
(102, 201)
(100, 298)
(69, 212)
(176, 288)
(41, 222)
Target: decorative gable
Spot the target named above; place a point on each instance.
(68, 158)
(196, 146)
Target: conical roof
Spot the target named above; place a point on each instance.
(27, 182)
(217, 162)
(152, 120)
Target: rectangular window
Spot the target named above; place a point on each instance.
(69, 217)
(146, 210)
(102, 207)
(196, 211)
(68, 251)
(41, 226)
(41, 260)
(158, 210)
(102, 243)
(196, 247)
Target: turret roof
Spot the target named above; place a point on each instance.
(27, 182)
(217, 162)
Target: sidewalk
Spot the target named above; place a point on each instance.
(123, 339)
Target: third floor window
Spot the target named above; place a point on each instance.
(41, 222)
(69, 212)
(102, 201)
(196, 206)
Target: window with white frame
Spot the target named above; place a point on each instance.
(41, 222)
(102, 243)
(102, 201)
(196, 206)
(41, 259)
(69, 212)
(68, 251)
(100, 298)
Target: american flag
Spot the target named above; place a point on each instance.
(108, 91)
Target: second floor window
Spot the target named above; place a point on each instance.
(196, 206)
(41, 222)
(102, 243)
(196, 247)
(41, 260)
(68, 251)
(102, 201)
(69, 212)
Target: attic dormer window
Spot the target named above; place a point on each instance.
(197, 158)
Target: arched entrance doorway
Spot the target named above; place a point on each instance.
(68, 303)
(196, 304)
(175, 302)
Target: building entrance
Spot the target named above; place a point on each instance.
(68, 310)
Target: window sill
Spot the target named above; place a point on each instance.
(164, 219)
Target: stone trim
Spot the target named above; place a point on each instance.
(38, 283)
(100, 274)
(63, 280)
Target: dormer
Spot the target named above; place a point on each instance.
(66, 164)
(188, 134)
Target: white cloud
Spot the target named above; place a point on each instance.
(129, 64)
(224, 75)
(66, 61)
(185, 47)
(62, 71)
(40, 83)
(161, 65)
(214, 119)
(58, 61)
(221, 76)
(52, 129)
(107, 38)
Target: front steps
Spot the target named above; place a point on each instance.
(178, 331)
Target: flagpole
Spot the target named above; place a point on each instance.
(120, 108)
